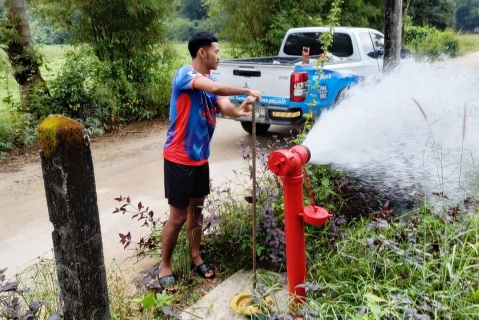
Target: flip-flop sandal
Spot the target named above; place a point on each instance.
(167, 282)
(203, 269)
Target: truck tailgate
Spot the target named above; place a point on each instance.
(272, 80)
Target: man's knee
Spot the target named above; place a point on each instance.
(177, 216)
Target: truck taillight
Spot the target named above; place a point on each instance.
(299, 86)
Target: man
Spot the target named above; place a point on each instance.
(194, 100)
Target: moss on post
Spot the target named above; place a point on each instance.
(57, 128)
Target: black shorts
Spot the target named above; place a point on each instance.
(184, 182)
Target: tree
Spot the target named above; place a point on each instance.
(256, 27)
(433, 13)
(467, 14)
(130, 78)
(192, 9)
(16, 41)
(116, 29)
(362, 13)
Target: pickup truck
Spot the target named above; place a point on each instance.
(286, 81)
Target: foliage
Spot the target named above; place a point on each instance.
(433, 13)
(45, 33)
(357, 13)
(191, 9)
(158, 301)
(260, 34)
(101, 94)
(72, 94)
(16, 129)
(181, 29)
(114, 29)
(430, 43)
(148, 244)
(130, 77)
(140, 89)
(15, 40)
(467, 15)
(229, 222)
(40, 302)
(420, 265)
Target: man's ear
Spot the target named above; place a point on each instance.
(201, 52)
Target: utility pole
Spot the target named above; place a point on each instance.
(392, 34)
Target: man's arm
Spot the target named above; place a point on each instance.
(230, 110)
(223, 89)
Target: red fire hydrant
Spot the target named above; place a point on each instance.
(288, 165)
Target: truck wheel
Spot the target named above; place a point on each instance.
(261, 128)
(343, 94)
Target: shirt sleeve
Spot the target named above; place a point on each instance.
(185, 78)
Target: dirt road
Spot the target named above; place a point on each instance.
(127, 164)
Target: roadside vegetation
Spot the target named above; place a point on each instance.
(370, 261)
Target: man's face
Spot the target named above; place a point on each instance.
(212, 56)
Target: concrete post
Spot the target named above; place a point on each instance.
(72, 205)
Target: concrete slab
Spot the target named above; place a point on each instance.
(216, 304)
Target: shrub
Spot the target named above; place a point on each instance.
(16, 129)
(430, 43)
(102, 94)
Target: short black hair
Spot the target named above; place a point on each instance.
(200, 40)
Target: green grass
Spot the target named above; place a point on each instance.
(468, 43)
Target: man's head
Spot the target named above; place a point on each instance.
(200, 40)
(204, 48)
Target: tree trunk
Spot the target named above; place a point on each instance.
(20, 51)
(392, 34)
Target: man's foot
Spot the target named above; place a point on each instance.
(204, 270)
(168, 283)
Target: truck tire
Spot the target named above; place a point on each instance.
(343, 94)
(261, 128)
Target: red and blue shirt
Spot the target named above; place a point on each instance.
(192, 120)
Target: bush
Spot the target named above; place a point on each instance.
(102, 94)
(16, 129)
(430, 43)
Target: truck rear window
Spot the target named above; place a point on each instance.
(342, 45)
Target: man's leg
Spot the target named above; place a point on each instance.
(170, 233)
(194, 225)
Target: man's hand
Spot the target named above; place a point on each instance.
(245, 108)
(254, 94)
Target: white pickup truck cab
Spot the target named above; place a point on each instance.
(287, 84)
